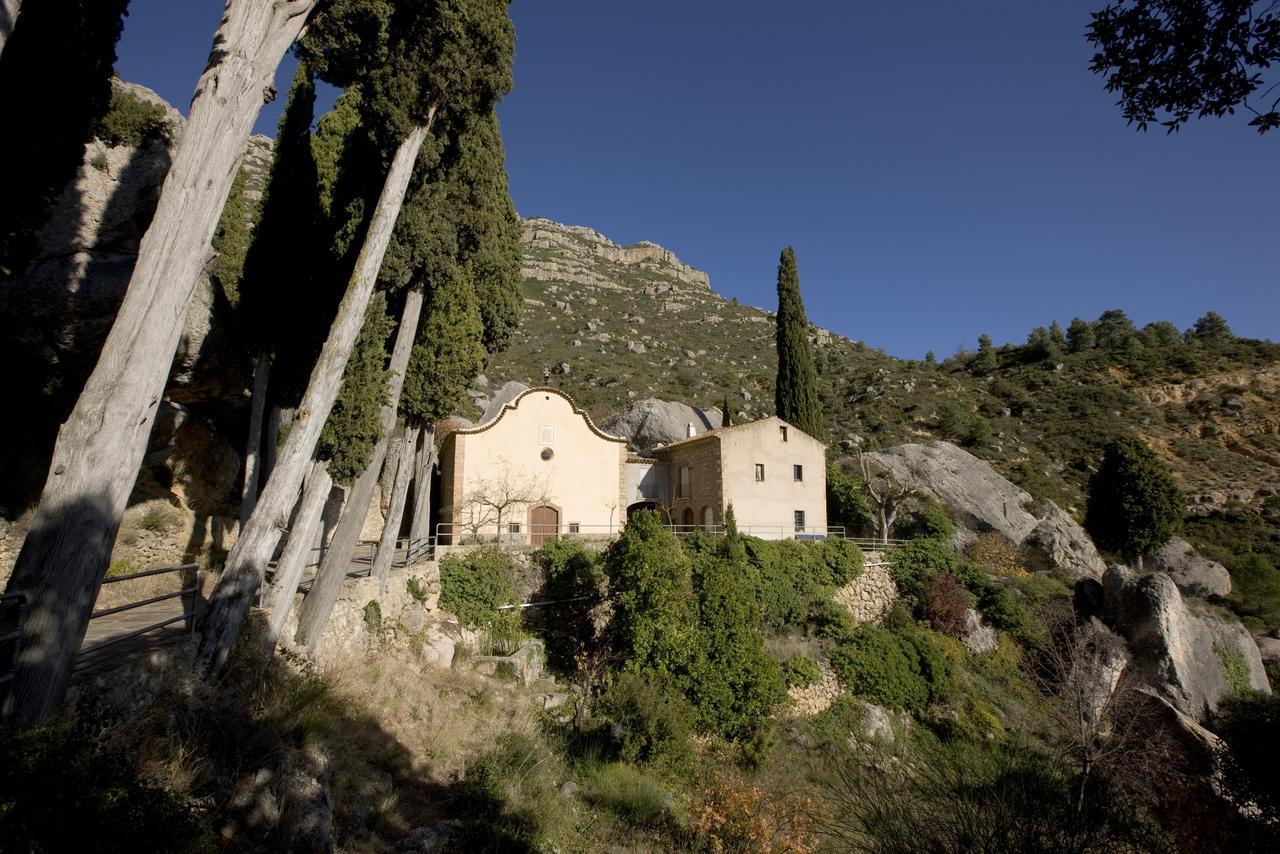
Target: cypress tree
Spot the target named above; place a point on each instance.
(796, 392)
(449, 352)
(354, 426)
(55, 82)
(727, 419)
(1135, 505)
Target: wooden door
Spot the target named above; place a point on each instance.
(544, 524)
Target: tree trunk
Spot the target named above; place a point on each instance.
(420, 524)
(245, 565)
(395, 511)
(318, 604)
(329, 519)
(253, 448)
(279, 597)
(100, 447)
(9, 10)
(270, 441)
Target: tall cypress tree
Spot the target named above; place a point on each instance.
(796, 393)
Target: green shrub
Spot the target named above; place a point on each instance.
(120, 567)
(1248, 723)
(1234, 670)
(372, 613)
(417, 590)
(790, 578)
(832, 621)
(509, 798)
(801, 671)
(629, 793)
(899, 670)
(928, 522)
(912, 565)
(473, 586)
(652, 720)
(132, 121)
(574, 578)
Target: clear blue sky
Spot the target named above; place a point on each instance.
(942, 169)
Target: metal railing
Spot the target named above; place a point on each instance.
(189, 614)
(13, 616)
(526, 534)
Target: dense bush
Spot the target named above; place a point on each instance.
(1248, 723)
(509, 798)
(943, 604)
(629, 793)
(927, 522)
(801, 671)
(132, 121)
(472, 586)
(790, 578)
(905, 670)
(996, 554)
(846, 502)
(651, 720)
(574, 579)
(912, 565)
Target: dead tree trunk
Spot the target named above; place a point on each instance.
(243, 573)
(395, 511)
(101, 445)
(253, 447)
(278, 600)
(318, 604)
(420, 524)
(270, 440)
(9, 10)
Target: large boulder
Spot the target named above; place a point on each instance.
(1193, 659)
(1194, 575)
(1058, 541)
(509, 392)
(980, 499)
(648, 423)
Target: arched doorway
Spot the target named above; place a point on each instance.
(688, 521)
(544, 524)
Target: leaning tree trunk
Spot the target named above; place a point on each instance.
(278, 600)
(386, 552)
(320, 599)
(269, 442)
(9, 10)
(420, 524)
(253, 447)
(248, 558)
(100, 447)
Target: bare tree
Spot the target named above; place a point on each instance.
(887, 493)
(9, 11)
(420, 524)
(253, 446)
(493, 499)
(101, 445)
(278, 599)
(386, 552)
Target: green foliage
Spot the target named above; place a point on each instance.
(796, 398)
(1235, 672)
(847, 504)
(417, 590)
(354, 427)
(1211, 327)
(962, 426)
(985, 360)
(472, 586)
(917, 561)
(1080, 335)
(1248, 723)
(800, 671)
(131, 121)
(1134, 504)
(448, 353)
(655, 622)
(573, 572)
(902, 670)
(372, 615)
(120, 567)
(790, 577)
(928, 521)
(232, 239)
(629, 793)
(61, 785)
(509, 798)
(652, 718)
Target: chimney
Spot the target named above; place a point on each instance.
(690, 432)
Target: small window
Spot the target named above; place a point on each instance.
(574, 527)
(783, 431)
(799, 521)
(797, 472)
(683, 490)
(546, 435)
(513, 527)
(760, 471)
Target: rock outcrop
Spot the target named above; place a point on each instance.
(569, 254)
(1194, 575)
(979, 498)
(1192, 658)
(646, 424)
(509, 392)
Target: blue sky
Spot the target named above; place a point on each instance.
(942, 169)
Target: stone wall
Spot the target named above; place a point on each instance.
(870, 596)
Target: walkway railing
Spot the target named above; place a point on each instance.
(189, 613)
(525, 534)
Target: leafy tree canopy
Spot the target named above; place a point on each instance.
(1134, 504)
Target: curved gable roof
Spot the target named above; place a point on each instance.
(515, 404)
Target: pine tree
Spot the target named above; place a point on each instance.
(1113, 329)
(1057, 336)
(1080, 335)
(1040, 344)
(984, 362)
(796, 391)
(1211, 327)
(1135, 505)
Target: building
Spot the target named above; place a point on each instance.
(774, 475)
(539, 468)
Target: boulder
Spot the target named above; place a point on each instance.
(509, 392)
(648, 423)
(1058, 541)
(1269, 649)
(977, 637)
(877, 726)
(973, 493)
(1194, 575)
(1191, 658)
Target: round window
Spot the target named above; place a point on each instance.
(547, 453)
